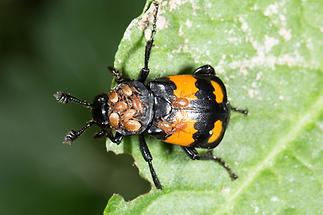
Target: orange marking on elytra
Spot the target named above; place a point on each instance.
(216, 131)
(218, 92)
(185, 86)
(183, 130)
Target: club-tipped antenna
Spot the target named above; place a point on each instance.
(65, 98)
(73, 135)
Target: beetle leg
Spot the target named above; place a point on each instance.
(148, 158)
(238, 110)
(100, 134)
(116, 73)
(204, 70)
(117, 138)
(194, 155)
(149, 44)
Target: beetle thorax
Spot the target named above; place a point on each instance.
(125, 108)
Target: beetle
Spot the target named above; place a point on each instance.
(190, 110)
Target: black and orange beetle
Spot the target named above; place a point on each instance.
(191, 111)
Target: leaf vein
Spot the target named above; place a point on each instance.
(280, 146)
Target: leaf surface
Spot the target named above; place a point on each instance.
(269, 54)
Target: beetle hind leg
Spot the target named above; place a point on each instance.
(239, 110)
(194, 155)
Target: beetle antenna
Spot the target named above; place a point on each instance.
(65, 98)
(73, 135)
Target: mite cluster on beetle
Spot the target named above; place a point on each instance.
(191, 111)
(125, 107)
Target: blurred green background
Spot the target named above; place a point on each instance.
(47, 46)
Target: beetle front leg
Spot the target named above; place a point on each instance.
(117, 138)
(145, 71)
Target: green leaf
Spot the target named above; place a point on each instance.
(270, 55)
